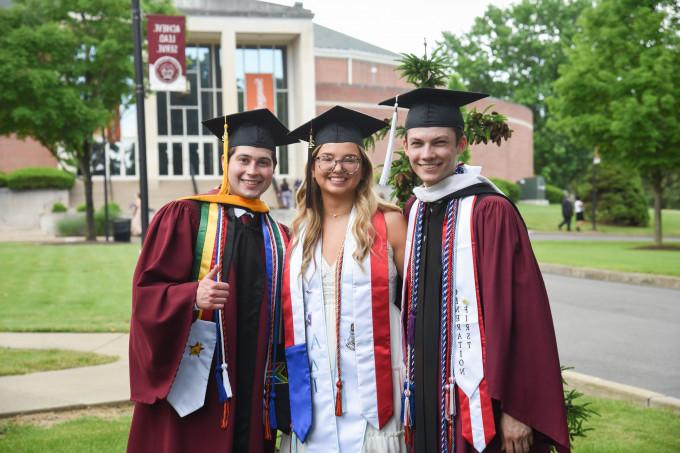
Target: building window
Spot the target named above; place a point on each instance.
(270, 60)
(180, 116)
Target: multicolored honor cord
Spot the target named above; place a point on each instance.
(275, 248)
(447, 404)
(408, 395)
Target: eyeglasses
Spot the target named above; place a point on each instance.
(349, 164)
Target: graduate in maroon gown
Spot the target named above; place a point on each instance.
(483, 372)
(213, 262)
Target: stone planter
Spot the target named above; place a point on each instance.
(23, 209)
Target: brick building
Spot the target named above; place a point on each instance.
(313, 68)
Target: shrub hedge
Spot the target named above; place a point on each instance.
(37, 178)
(3, 179)
(554, 194)
(509, 188)
(58, 207)
(76, 225)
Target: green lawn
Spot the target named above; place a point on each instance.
(546, 218)
(84, 288)
(624, 427)
(621, 428)
(618, 256)
(24, 361)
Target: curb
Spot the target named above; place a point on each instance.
(661, 281)
(71, 407)
(594, 386)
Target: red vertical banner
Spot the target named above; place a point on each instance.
(260, 92)
(166, 44)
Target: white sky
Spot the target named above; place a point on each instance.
(397, 25)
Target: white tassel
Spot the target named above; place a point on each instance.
(390, 147)
(452, 397)
(225, 381)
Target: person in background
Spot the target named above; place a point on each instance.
(286, 195)
(578, 209)
(567, 212)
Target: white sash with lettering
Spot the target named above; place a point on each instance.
(187, 393)
(331, 434)
(466, 350)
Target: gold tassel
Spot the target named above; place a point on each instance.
(225, 160)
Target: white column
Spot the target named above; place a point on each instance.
(228, 62)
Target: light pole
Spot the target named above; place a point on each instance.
(141, 127)
(596, 161)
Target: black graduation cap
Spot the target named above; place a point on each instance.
(258, 128)
(338, 125)
(434, 107)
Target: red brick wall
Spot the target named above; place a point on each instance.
(513, 160)
(15, 153)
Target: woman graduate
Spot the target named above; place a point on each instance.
(204, 362)
(342, 330)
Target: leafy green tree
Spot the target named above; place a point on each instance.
(514, 54)
(620, 90)
(64, 69)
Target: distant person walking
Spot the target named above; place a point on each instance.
(567, 212)
(578, 209)
(286, 195)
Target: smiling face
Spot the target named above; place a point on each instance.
(344, 177)
(250, 171)
(433, 152)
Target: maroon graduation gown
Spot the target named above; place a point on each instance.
(162, 311)
(522, 365)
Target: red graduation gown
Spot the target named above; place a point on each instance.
(522, 365)
(162, 310)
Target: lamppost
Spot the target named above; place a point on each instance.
(141, 127)
(596, 161)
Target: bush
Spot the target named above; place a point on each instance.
(72, 225)
(76, 225)
(621, 199)
(99, 217)
(554, 194)
(3, 179)
(82, 207)
(38, 178)
(58, 207)
(510, 189)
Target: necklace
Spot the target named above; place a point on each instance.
(336, 215)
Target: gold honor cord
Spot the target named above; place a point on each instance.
(223, 196)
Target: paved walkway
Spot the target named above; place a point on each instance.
(108, 384)
(593, 236)
(69, 388)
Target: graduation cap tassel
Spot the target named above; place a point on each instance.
(225, 159)
(390, 146)
(308, 182)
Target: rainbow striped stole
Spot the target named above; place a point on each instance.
(209, 251)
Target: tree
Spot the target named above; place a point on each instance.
(64, 69)
(514, 54)
(620, 89)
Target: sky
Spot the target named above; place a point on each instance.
(397, 25)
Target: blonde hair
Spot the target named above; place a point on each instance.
(366, 203)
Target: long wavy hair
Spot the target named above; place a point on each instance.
(366, 203)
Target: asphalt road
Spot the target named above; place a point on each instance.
(625, 333)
